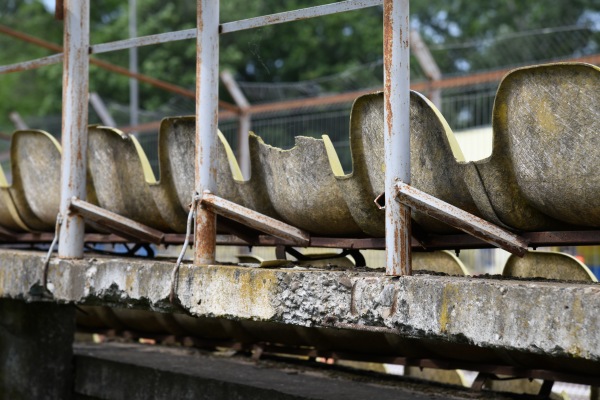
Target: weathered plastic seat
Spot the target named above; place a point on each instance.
(303, 190)
(173, 193)
(445, 376)
(9, 217)
(543, 171)
(521, 386)
(435, 162)
(254, 191)
(558, 266)
(548, 265)
(438, 261)
(121, 175)
(35, 189)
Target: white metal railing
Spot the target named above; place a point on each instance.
(229, 27)
(396, 88)
(74, 125)
(397, 132)
(75, 100)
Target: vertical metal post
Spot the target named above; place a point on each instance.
(397, 133)
(74, 123)
(428, 64)
(133, 67)
(244, 121)
(244, 127)
(207, 96)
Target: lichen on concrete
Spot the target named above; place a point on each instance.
(482, 319)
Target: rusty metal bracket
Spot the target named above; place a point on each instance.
(460, 219)
(253, 219)
(116, 223)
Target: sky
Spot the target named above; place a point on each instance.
(49, 4)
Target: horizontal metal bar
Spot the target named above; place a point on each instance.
(431, 241)
(32, 64)
(235, 26)
(460, 219)
(232, 109)
(116, 223)
(29, 39)
(254, 219)
(143, 41)
(297, 15)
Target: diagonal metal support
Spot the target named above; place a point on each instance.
(460, 219)
(116, 223)
(253, 219)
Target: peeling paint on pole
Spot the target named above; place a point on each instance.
(207, 113)
(74, 124)
(396, 55)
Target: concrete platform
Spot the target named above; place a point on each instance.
(529, 324)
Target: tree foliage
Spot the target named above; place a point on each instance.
(296, 51)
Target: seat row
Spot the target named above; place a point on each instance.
(542, 174)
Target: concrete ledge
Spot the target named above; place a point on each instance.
(532, 317)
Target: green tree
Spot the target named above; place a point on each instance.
(303, 50)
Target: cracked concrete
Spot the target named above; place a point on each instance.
(494, 320)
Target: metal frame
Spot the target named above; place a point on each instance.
(454, 216)
(254, 220)
(75, 73)
(397, 131)
(57, 58)
(124, 227)
(398, 241)
(396, 28)
(428, 242)
(32, 64)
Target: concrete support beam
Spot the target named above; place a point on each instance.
(36, 352)
(540, 318)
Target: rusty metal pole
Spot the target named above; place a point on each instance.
(397, 133)
(74, 124)
(207, 113)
